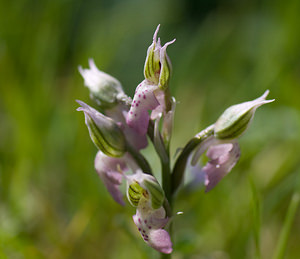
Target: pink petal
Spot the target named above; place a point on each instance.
(112, 188)
(108, 168)
(160, 96)
(119, 114)
(216, 151)
(224, 157)
(160, 240)
(149, 223)
(144, 100)
(136, 140)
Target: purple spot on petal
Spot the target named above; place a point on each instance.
(149, 227)
(139, 220)
(145, 221)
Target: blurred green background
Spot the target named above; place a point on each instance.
(52, 203)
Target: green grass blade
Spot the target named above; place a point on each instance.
(283, 238)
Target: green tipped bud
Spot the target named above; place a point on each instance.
(166, 67)
(144, 186)
(152, 63)
(105, 90)
(104, 132)
(158, 67)
(236, 119)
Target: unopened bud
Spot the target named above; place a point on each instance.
(236, 119)
(105, 90)
(144, 186)
(158, 66)
(152, 63)
(104, 132)
(166, 67)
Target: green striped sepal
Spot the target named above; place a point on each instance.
(152, 63)
(144, 186)
(158, 66)
(104, 132)
(236, 119)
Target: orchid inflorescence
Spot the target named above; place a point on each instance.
(120, 128)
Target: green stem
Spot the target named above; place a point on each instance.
(140, 160)
(164, 157)
(166, 182)
(166, 179)
(168, 99)
(165, 256)
(179, 168)
(150, 131)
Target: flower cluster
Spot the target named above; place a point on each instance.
(120, 127)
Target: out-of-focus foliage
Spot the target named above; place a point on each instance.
(52, 204)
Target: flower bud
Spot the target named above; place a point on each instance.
(105, 90)
(144, 186)
(166, 67)
(152, 63)
(104, 132)
(158, 67)
(236, 119)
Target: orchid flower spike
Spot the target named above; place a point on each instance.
(222, 147)
(149, 94)
(145, 193)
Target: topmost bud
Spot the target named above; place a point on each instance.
(158, 67)
(235, 120)
(104, 89)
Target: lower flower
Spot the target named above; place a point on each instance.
(145, 193)
(150, 224)
(223, 157)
